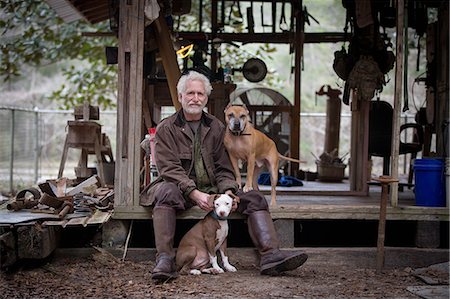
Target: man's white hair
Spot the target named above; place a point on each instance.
(193, 76)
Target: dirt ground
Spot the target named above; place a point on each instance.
(104, 276)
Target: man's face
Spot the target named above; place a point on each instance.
(194, 99)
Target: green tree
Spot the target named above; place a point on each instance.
(31, 34)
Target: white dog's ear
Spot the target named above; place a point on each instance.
(212, 198)
(235, 198)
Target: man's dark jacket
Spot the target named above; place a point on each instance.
(174, 155)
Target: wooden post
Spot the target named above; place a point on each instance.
(298, 48)
(359, 145)
(397, 98)
(129, 104)
(385, 181)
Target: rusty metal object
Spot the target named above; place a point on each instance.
(67, 207)
(46, 188)
(63, 205)
(21, 202)
(53, 202)
(385, 181)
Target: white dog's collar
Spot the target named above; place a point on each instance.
(214, 215)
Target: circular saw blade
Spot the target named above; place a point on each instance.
(254, 70)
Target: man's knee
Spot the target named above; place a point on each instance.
(168, 195)
(252, 201)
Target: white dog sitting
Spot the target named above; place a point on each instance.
(198, 247)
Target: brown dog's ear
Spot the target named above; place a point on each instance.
(228, 106)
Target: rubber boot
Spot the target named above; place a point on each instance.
(273, 260)
(164, 221)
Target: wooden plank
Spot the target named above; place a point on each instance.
(99, 217)
(397, 98)
(93, 180)
(169, 57)
(122, 96)
(129, 118)
(368, 212)
(359, 145)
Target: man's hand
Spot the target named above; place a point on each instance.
(201, 199)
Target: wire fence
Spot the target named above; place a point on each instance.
(32, 145)
(32, 142)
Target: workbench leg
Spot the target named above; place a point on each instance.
(63, 159)
(82, 163)
(98, 154)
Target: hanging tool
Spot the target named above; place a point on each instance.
(283, 25)
(222, 15)
(262, 18)
(250, 19)
(274, 15)
(200, 16)
(307, 15)
(238, 15)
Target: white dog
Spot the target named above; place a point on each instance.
(197, 249)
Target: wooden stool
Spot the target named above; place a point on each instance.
(87, 136)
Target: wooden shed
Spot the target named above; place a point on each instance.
(139, 98)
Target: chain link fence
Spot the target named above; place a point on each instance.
(32, 142)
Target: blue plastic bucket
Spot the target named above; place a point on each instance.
(429, 182)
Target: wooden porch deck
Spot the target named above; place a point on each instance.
(332, 202)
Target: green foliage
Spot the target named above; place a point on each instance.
(33, 35)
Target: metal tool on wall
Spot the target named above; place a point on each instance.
(263, 25)
(235, 13)
(283, 24)
(250, 19)
(254, 70)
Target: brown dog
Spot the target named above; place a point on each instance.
(245, 143)
(197, 250)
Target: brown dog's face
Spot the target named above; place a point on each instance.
(236, 118)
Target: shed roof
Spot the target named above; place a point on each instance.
(93, 11)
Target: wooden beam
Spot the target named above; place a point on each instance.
(98, 34)
(169, 57)
(397, 98)
(270, 108)
(295, 116)
(359, 144)
(129, 104)
(276, 38)
(366, 212)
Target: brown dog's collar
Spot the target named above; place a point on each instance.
(239, 133)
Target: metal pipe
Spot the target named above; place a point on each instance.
(11, 161)
(37, 145)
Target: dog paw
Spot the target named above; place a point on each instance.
(247, 188)
(217, 270)
(195, 272)
(230, 268)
